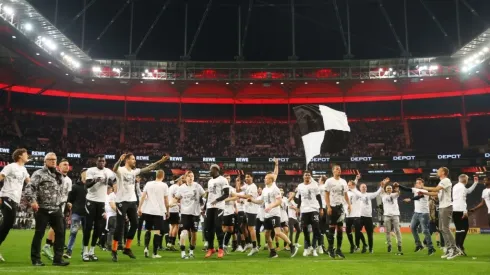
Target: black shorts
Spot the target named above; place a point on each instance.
(284, 224)
(271, 223)
(241, 218)
(153, 222)
(189, 222)
(229, 220)
(337, 217)
(251, 219)
(310, 218)
(174, 218)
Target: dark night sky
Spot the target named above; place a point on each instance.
(269, 36)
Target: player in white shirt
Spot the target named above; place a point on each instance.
(310, 204)
(241, 225)
(126, 199)
(153, 207)
(229, 215)
(272, 200)
(323, 219)
(14, 175)
(174, 216)
(420, 216)
(444, 192)
(293, 223)
(97, 179)
(366, 220)
(189, 194)
(460, 210)
(252, 210)
(218, 191)
(259, 221)
(335, 197)
(110, 216)
(63, 168)
(353, 219)
(284, 220)
(391, 213)
(485, 199)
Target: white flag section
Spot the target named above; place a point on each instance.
(313, 145)
(322, 129)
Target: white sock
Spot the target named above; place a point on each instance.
(85, 250)
(92, 251)
(191, 252)
(182, 253)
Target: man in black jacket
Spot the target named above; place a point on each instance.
(77, 198)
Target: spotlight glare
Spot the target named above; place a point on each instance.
(197, 83)
(485, 49)
(8, 10)
(282, 83)
(13, 36)
(337, 83)
(28, 27)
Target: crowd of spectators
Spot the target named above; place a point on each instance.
(97, 135)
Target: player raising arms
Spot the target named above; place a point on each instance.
(126, 199)
(272, 200)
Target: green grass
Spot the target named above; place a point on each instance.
(16, 251)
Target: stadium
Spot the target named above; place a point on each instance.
(217, 82)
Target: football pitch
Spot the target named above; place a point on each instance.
(16, 251)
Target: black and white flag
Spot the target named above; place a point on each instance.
(323, 129)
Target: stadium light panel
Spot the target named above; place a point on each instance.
(14, 37)
(9, 10)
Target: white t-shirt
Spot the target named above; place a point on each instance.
(356, 205)
(125, 184)
(98, 192)
(15, 175)
(459, 196)
(67, 185)
(322, 194)
(216, 189)
(337, 189)
(189, 198)
(366, 198)
(230, 205)
(421, 205)
(291, 211)
(240, 203)
(108, 209)
(172, 191)
(261, 213)
(251, 190)
(390, 204)
(269, 195)
(156, 191)
(284, 210)
(486, 196)
(444, 194)
(308, 193)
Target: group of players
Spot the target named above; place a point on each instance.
(230, 212)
